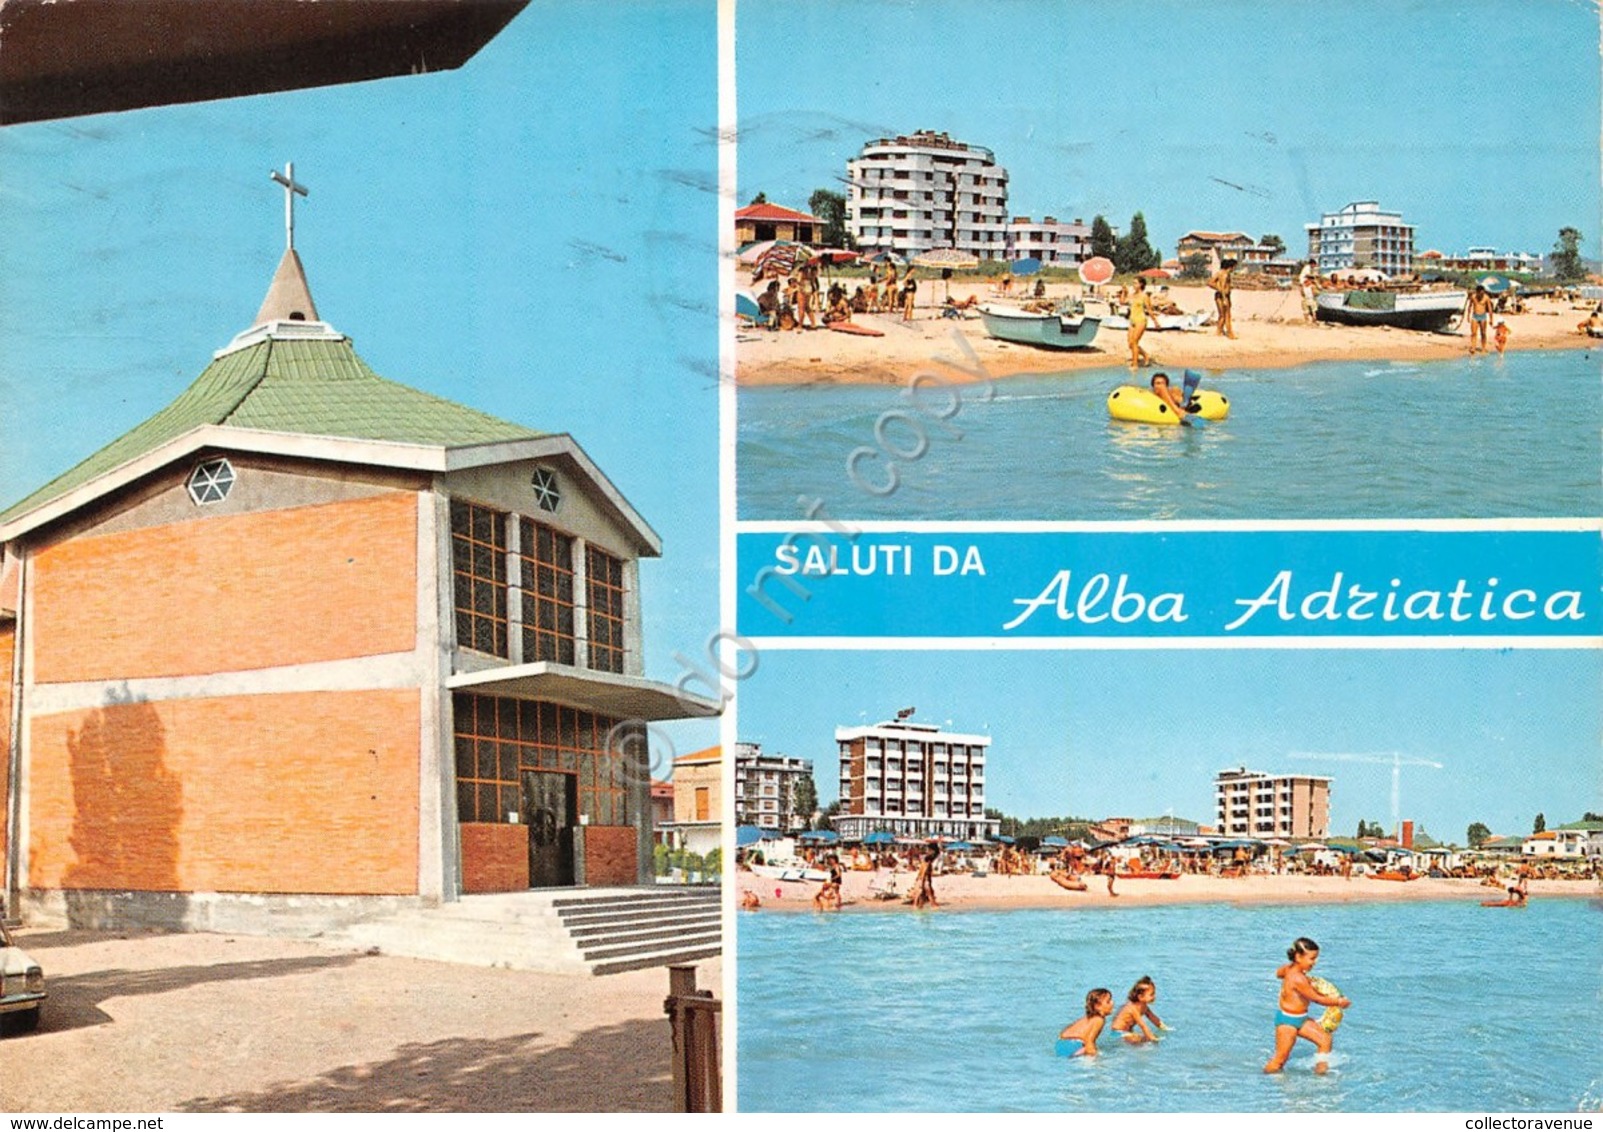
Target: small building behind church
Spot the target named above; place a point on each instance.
(308, 638)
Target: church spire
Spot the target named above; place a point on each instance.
(288, 296)
(288, 310)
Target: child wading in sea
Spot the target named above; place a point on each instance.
(1136, 1018)
(1078, 1038)
(1291, 1019)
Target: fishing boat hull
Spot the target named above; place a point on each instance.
(1423, 310)
(1049, 331)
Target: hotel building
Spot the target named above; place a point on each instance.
(1253, 804)
(1051, 241)
(912, 780)
(919, 191)
(765, 788)
(1361, 235)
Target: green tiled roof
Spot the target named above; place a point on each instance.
(1584, 826)
(318, 388)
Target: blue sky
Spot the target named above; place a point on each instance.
(533, 235)
(1478, 120)
(1138, 733)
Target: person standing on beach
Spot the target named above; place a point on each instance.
(909, 294)
(1479, 309)
(1291, 1017)
(924, 881)
(1140, 313)
(1110, 871)
(1220, 286)
(1308, 283)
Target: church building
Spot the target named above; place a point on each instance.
(308, 637)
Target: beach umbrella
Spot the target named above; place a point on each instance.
(959, 847)
(1055, 842)
(818, 835)
(883, 256)
(746, 835)
(1027, 266)
(777, 256)
(1157, 273)
(1495, 285)
(1004, 839)
(746, 305)
(1096, 270)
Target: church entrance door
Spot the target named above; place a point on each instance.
(550, 809)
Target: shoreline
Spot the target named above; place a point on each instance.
(1269, 324)
(967, 893)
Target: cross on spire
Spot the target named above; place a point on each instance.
(291, 187)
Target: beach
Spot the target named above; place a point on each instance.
(965, 892)
(1271, 333)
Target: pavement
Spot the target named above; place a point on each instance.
(213, 1023)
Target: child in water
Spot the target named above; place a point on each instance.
(1078, 1038)
(1291, 1019)
(1132, 1021)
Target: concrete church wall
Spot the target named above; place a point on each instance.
(311, 792)
(227, 593)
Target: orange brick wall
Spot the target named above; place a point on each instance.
(610, 855)
(229, 592)
(8, 639)
(495, 857)
(311, 792)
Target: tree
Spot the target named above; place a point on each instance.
(803, 802)
(830, 207)
(1540, 825)
(1131, 252)
(1194, 266)
(760, 198)
(1566, 255)
(1478, 834)
(1590, 816)
(1102, 242)
(1273, 242)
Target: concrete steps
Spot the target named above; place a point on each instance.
(567, 931)
(650, 928)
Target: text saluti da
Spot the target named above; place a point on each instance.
(875, 559)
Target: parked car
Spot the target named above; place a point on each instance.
(22, 987)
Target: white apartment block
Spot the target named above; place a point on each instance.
(1050, 240)
(918, 191)
(912, 780)
(1361, 235)
(765, 788)
(1254, 804)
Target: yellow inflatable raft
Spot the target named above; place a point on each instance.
(1132, 403)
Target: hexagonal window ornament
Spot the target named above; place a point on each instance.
(547, 493)
(210, 482)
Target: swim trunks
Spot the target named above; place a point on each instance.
(1068, 1047)
(1295, 1021)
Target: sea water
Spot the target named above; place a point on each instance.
(1455, 1008)
(1486, 437)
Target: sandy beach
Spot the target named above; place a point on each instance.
(1271, 333)
(964, 892)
